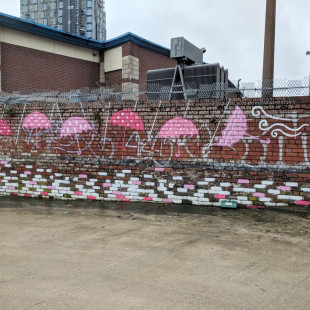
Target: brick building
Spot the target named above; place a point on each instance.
(37, 57)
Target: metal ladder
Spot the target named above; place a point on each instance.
(178, 85)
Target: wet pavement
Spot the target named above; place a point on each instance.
(94, 255)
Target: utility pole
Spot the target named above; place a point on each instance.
(268, 65)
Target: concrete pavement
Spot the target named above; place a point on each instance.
(82, 255)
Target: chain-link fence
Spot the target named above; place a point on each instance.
(144, 92)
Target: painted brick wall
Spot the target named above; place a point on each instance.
(29, 69)
(249, 151)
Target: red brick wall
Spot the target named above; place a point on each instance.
(256, 154)
(29, 69)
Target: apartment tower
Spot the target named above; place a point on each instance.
(83, 17)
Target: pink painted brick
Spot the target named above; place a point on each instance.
(259, 195)
(11, 187)
(251, 207)
(44, 194)
(243, 181)
(27, 172)
(33, 183)
(78, 193)
(120, 196)
(260, 207)
(159, 169)
(284, 188)
(125, 199)
(83, 176)
(220, 196)
(167, 200)
(13, 194)
(91, 197)
(136, 183)
(3, 162)
(27, 195)
(51, 187)
(106, 185)
(189, 186)
(302, 202)
(116, 193)
(148, 198)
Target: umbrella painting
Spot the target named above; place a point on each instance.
(177, 127)
(128, 119)
(36, 120)
(235, 129)
(75, 126)
(5, 129)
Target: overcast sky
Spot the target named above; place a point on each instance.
(232, 31)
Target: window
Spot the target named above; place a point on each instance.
(89, 27)
(45, 21)
(42, 14)
(89, 19)
(34, 1)
(61, 5)
(89, 4)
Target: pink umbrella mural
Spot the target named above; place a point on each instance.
(235, 129)
(177, 127)
(36, 120)
(5, 129)
(74, 126)
(128, 119)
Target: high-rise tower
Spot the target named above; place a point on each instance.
(83, 17)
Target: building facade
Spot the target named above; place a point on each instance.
(82, 17)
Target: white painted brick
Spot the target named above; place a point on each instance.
(168, 192)
(241, 198)
(305, 189)
(93, 180)
(161, 188)
(162, 181)
(259, 186)
(182, 190)
(102, 173)
(40, 170)
(149, 183)
(202, 183)
(49, 170)
(13, 172)
(209, 179)
(290, 197)
(58, 174)
(273, 191)
(171, 185)
(244, 190)
(120, 175)
(267, 182)
(264, 199)
(90, 183)
(291, 184)
(177, 178)
(126, 171)
(198, 195)
(134, 179)
(148, 176)
(79, 186)
(227, 184)
(29, 167)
